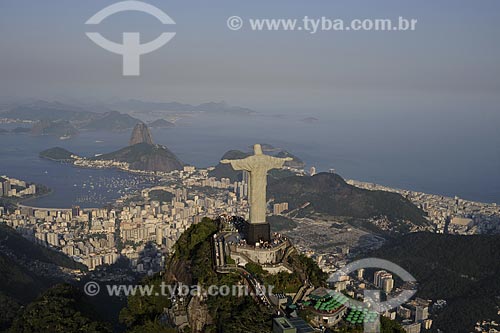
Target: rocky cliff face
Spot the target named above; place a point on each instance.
(140, 134)
(198, 315)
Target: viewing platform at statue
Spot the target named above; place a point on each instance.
(233, 244)
(251, 241)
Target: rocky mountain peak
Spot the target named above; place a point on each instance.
(140, 134)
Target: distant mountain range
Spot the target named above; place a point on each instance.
(57, 128)
(54, 118)
(52, 111)
(104, 116)
(113, 120)
(210, 107)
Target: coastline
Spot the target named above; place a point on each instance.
(18, 202)
(121, 167)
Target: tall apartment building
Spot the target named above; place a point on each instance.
(384, 280)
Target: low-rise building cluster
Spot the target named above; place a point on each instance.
(12, 187)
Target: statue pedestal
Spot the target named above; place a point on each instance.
(257, 232)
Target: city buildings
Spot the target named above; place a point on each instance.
(279, 208)
(100, 236)
(383, 280)
(11, 187)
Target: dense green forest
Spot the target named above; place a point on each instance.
(192, 262)
(60, 309)
(328, 193)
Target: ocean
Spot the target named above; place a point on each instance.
(442, 155)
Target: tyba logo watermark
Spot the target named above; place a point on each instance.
(131, 48)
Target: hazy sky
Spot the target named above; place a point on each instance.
(451, 59)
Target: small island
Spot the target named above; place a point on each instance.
(58, 154)
(161, 123)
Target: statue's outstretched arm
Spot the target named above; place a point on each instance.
(277, 162)
(242, 164)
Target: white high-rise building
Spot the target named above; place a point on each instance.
(388, 284)
(384, 280)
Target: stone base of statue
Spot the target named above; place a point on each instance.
(255, 232)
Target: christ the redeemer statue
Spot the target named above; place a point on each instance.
(257, 165)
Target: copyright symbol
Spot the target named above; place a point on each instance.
(91, 288)
(234, 23)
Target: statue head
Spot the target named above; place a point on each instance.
(257, 149)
